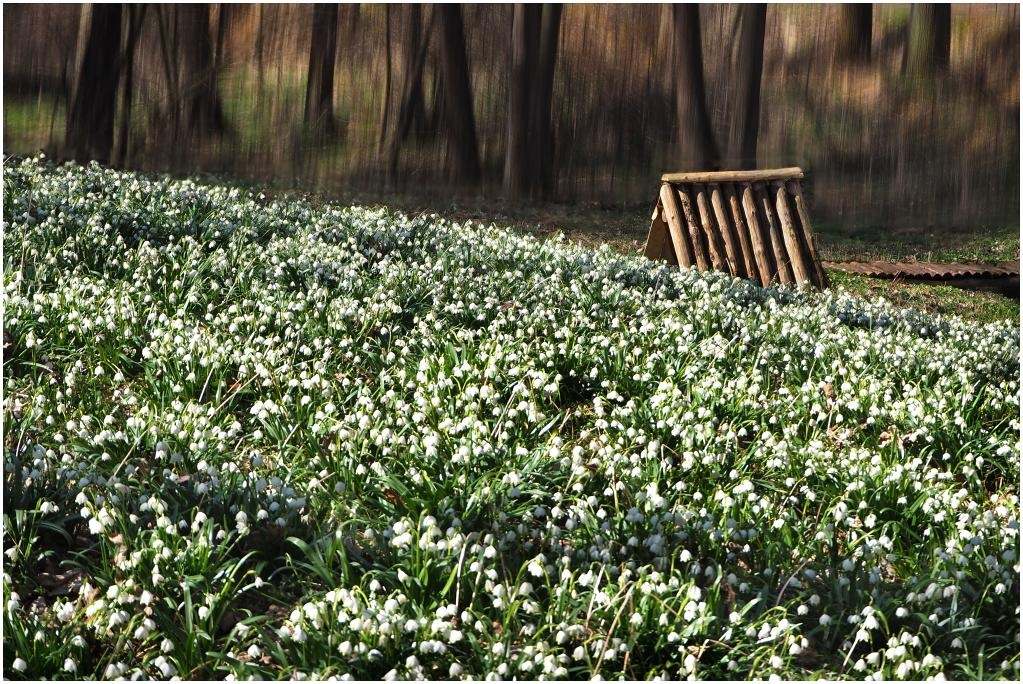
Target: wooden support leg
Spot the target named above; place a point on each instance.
(658, 240)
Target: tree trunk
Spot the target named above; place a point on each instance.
(203, 115)
(260, 49)
(930, 39)
(90, 121)
(412, 66)
(170, 72)
(435, 114)
(319, 92)
(525, 26)
(749, 67)
(131, 25)
(385, 113)
(664, 52)
(541, 144)
(223, 21)
(855, 24)
(699, 150)
(458, 114)
(411, 112)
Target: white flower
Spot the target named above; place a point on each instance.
(165, 667)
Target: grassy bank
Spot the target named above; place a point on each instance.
(264, 438)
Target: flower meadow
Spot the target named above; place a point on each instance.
(248, 437)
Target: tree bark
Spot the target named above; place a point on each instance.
(319, 92)
(203, 115)
(260, 49)
(412, 66)
(525, 26)
(528, 163)
(458, 114)
(665, 48)
(170, 72)
(385, 113)
(541, 144)
(749, 66)
(698, 147)
(131, 25)
(930, 39)
(855, 26)
(411, 105)
(223, 21)
(90, 122)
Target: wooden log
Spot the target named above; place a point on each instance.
(658, 240)
(672, 216)
(749, 260)
(781, 261)
(761, 245)
(736, 265)
(710, 230)
(802, 273)
(733, 176)
(693, 227)
(804, 223)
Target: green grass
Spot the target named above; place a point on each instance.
(946, 300)
(988, 244)
(27, 123)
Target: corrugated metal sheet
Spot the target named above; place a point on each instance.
(925, 270)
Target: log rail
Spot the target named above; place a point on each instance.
(751, 224)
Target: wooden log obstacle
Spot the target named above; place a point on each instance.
(752, 224)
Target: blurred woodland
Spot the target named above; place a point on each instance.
(901, 114)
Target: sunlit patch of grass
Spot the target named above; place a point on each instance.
(947, 300)
(987, 244)
(32, 123)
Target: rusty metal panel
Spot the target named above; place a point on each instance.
(925, 270)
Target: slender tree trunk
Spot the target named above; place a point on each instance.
(203, 115)
(260, 49)
(855, 26)
(170, 73)
(749, 66)
(319, 92)
(458, 114)
(90, 121)
(414, 38)
(412, 87)
(131, 24)
(665, 49)
(385, 113)
(435, 115)
(541, 145)
(223, 22)
(699, 150)
(525, 26)
(930, 39)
